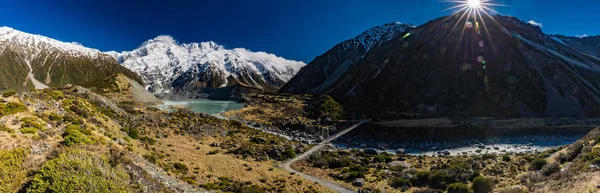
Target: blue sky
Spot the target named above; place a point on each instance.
(294, 29)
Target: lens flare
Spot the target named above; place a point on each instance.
(474, 3)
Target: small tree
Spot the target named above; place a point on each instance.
(538, 164)
(482, 185)
(550, 169)
(458, 188)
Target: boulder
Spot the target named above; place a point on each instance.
(399, 164)
(371, 152)
(360, 182)
(258, 140)
(400, 151)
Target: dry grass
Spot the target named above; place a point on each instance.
(207, 168)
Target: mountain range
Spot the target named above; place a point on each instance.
(204, 70)
(499, 67)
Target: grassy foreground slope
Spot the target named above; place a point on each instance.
(74, 140)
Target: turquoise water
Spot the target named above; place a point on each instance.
(202, 106)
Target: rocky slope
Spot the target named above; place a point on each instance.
(202, 70)
(326, 69)
(34, 61)
(589, 44)
(447, 67)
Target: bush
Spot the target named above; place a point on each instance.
(538, 164)
(9, 94)
(400, 183)
(12, 172)
(79, 171)
(550, 169)
(596, 161)
(6, 129)
(458, 188)
(180, 167)
(11, 108)
(324, 106)
(75, 135)
(421, 178)
(482, 185)
(148, 140)
(30, 125)
(133, 133)
(506, 158)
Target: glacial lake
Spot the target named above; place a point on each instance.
(202, 106)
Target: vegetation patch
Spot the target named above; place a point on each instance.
(325, 106)
(12, 171)
(79, 171)
(74, 135)
(11, 108)
(30, 125)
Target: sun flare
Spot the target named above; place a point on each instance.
(474, 3)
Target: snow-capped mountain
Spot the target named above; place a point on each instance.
(35, 61)
(187, 70)
(326, 69)
(512, 69)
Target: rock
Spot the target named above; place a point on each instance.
(214, 144)
(120, 141)
(371, 152)
(479, 145)
(402, 164)
(327, 121)
(445, 152)
(478, 151)
(496, 148)
(400, 151)
(258, 140)
(598, 186)
(359, 182)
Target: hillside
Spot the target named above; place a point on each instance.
(33, 61)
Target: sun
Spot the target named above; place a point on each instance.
(474, 3)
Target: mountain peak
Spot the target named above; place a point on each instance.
(377, 35)
(165, 39)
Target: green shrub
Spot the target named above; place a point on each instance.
(55, 117)
(133, 133)
(79, 171)
(75, 135)
(28, 130)
(506, 158)
(324, 106)
(12, 172)
(6, 129)
(437, 177)
(482, 185)
(151, 158)
(148, 140)
(400, 183)
(180, 167)
(550, 169)
(11, 108)
(538, 164)
(458, 188)
(30, 125)
(9, 94)
(421, 178)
